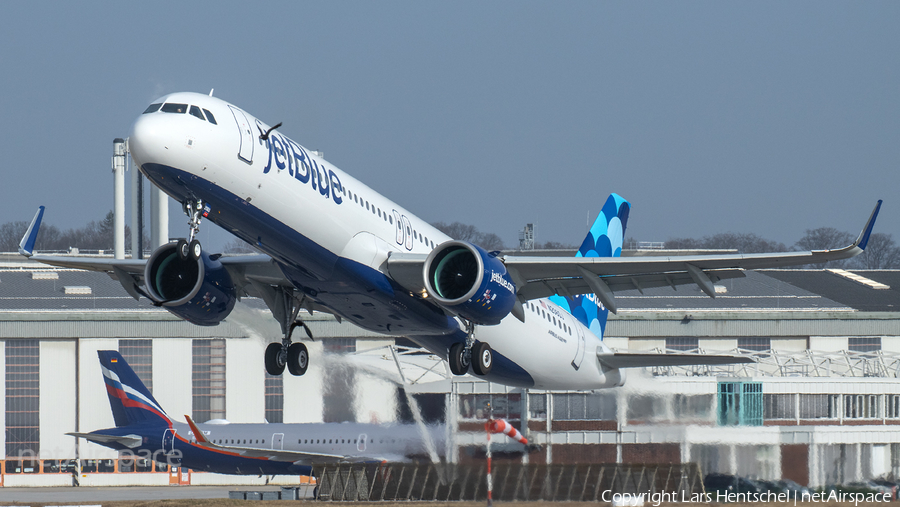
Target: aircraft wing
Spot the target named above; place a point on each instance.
(297, 457)
(538, 277)
(253, 275)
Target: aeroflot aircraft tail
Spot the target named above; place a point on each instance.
(129, 398)
(603, 240)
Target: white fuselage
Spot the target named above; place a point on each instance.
(332, 235)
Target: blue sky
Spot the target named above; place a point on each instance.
(764, 117)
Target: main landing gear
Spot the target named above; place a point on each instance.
(286, 306)
(190, 248)
(463, 354)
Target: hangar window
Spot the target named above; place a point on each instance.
(479, 406)
(893, 406)
(195, 111)
(861, 406)
(139, 354)
(778, 406)
(22, 397)
(581, 407)
(210, 117)
(681, 343)
(174, 108)
(208, 379)
(152, 108)
(755, 343)
(864, 344)
(274, 398)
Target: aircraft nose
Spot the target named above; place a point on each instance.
(147, 141)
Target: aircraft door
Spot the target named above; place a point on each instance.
(245, 152)
(407, 228)
(579, 354)
(169, 441)
(278, 441)
(401, 235)
(361, 443)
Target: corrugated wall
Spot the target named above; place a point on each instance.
(58, 397)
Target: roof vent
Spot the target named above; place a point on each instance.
(77, 290)
(44, 275)
(868, 282)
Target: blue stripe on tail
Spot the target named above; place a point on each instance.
(603, 240)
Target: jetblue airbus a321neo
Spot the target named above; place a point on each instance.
(334, 245)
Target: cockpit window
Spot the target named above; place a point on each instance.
(195, 111)
(174, 108)
(152, 108)
(210, 117)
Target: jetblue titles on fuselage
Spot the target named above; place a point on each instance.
(285, 153)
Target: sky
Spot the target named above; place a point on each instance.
(749, 117)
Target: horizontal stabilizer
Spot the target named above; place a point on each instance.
(640, 360)
(130, 441)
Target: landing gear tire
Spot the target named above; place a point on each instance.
(275, 359)
(482, 358)
(183, 249)
(458, 363)
(194, 250)
(297, 359)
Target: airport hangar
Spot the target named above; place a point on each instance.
(821, 405)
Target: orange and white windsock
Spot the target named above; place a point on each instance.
(502, 426)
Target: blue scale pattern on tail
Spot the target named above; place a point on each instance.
(603, 240)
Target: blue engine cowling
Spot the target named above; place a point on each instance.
(470, 282)
(199, 291)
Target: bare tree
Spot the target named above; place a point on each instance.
(825, 238)
(743, 243)
(881, 253)
(555, 245)
(464, 232)
(10, 235)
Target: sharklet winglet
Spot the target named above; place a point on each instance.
(26, 246)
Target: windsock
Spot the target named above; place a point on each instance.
(502, 426)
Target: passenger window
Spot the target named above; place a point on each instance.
(210, 117)
(152, 108)
(391, 219)
(174, 108)
(195, 111)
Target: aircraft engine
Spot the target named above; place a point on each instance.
(470, 282)
(199, 291)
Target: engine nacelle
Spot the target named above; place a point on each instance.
(470, 282)
(199, 291)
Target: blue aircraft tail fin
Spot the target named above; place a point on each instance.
(603, 240)
(131, 402)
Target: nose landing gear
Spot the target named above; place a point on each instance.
(190, 248)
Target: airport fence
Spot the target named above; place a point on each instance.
(511, 482)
